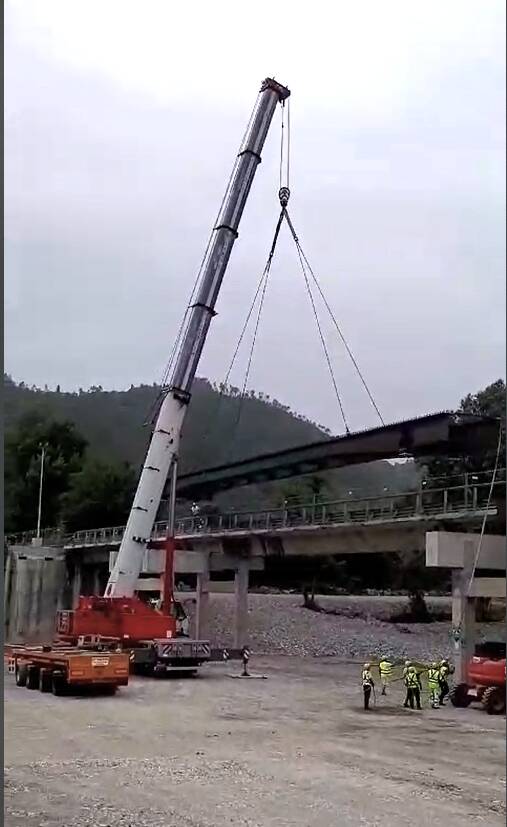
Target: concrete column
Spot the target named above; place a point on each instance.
(36, 597)
(8, 592)
(463, 614)
(96, 581)
(76, 584)
(202, 601)
(23, 588)
(241, 605)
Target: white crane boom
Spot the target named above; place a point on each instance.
(163, 449)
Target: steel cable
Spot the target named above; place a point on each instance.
(333, 318)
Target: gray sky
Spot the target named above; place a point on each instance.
(122, 123)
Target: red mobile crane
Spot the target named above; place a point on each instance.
(120, 615)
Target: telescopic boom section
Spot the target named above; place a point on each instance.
(164, 445)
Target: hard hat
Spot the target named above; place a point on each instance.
(366, 665)
(434, 665)
(408, 663)
(443, 662)
(412, 669)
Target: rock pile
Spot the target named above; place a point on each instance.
(278, 624)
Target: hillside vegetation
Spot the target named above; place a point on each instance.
(112, 421)
(220, 427)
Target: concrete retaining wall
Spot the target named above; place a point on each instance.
(35, 587)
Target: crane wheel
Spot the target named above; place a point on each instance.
(459, 696)
(493, 700)
(45, 680)
(32, 676)
(21, 673)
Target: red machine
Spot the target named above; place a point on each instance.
(120, 614)
(485, 684)
(124, 619)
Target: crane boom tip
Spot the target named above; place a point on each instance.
(270, 83)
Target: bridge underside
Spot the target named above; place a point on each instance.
(441, 433)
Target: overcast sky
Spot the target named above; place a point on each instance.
(122, 123)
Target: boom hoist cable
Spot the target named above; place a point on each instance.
(306, 267)
(262, 285)
(164, 386)
(309, 279)
(260, 290)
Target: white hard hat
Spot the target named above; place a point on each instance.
(366, 665)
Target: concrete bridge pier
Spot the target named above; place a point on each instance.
(202, 601)
(461, 553)
(241, 605)
(77, 583)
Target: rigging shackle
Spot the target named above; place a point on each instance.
(284, 195)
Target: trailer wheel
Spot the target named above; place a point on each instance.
(45, 680)
(145, 669)
(459, 695)
(21, 673)
(493, 700)
(32, 676)
(58, 683)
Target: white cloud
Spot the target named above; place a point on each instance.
(122, 120)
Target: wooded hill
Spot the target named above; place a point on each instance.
(220, 427)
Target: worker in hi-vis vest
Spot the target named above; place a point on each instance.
(385, 669)
(368, 684)
(413, 687)
(434, 685)
(444, 672)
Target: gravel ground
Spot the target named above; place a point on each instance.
(295, 750)
(279, 624)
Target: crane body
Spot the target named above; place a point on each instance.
(120, 611)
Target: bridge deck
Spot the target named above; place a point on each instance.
(440, 433)
(461, 503)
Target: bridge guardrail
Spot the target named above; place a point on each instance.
(423, 502)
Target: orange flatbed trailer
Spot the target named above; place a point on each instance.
(60, 669)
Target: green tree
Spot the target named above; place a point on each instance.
(490, 401)
(99, 495)
(64, 452)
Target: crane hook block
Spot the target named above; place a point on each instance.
(284, 195)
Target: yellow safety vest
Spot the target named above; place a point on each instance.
(385, 669)
(367, 678)
(411, 681)
(444, 672)
(433, 677)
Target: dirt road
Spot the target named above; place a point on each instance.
(295, 749)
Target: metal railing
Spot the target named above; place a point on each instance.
(448, 502)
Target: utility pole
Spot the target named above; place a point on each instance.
(41, 480)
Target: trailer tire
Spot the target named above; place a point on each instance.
(21, 673)
(493, 700)
(45, 680)
(32, 676)
(145, 669)
(58, 683)
(459, 696)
